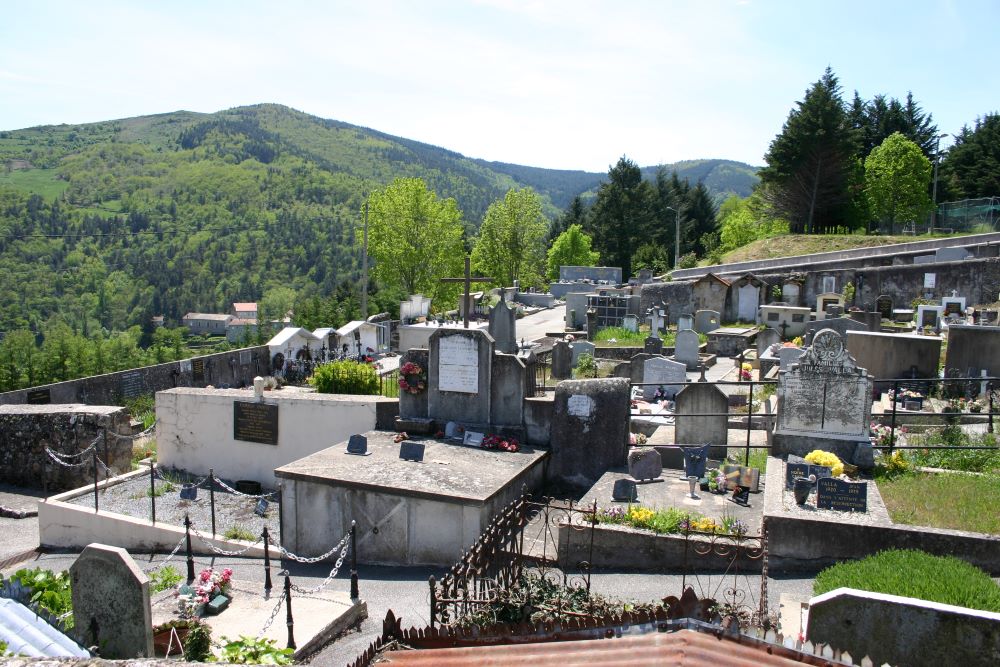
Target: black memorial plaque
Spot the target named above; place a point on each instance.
(38, 397)
(131, 384)
(625, 490)
(261, 508)
(836, 494)
(255, 422)
(741, 495)
(198, 370)
(411, 451)
(695, 458)
(358, 445)
(795, 470)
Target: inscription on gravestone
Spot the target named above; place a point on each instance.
(131, 384)
(245, 357)
(580, 405)
(741, 495)
(38, 397)
(255, 422)
(411, 451)
(198, 370)
(742, 476)
(794, 471)
(836, 494)
(185, 366)
(458, 365)
(473, 439)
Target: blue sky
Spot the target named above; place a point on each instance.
(572, 84)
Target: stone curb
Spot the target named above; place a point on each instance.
(10, 513)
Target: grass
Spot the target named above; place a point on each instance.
(40, 181)
(239, 532)
(970, 460)
(789, 245)
(915, 574)
(943, 500)
(622, 337)
(758, 457)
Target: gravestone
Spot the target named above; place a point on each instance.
(884, 306)
(653, 345)
(631, 323)
(562, 361)
(788, 356)
(953, 305)
(453, 431)
(686, 349)
(461, 364)
(707, 320)
(503, 327)
(508, 389)
(836, 494)
(839, 324)
(411, 451)
(581, 347)
(742, 476)
(685, 321)
(702, 398)
(590, 421)
(414, 406)
(825, 401)
(473, 439)
(358, 444)
(695, 460)
(766, 339)
(624, 491)
(929, 316)
(111, 603)
(645, 464)
(790, 293)
(657, 318)
(664, 372)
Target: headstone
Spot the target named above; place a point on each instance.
(503, 327)
(581, 347)
(825, 401)
(790, 293)
(884, 305)
(590, 420)
(929, 316)
(461, 368)
(707, 320)
(836, 494)
(839, 324)
(834, 310)
(695, 458)
(624, 491)
(645, 464)
(653, 345)
(631, 323)
(797, 467)
(685, 321)
(111, 603)
(742, 476)
(741, 495)
(747, 294)
(670, 375)
(562, 361)
(656, 317)
(358, 445)
(766, 339)
(789, 356)
(953, 305)
(260, 509)
(411, 451)
(686, 349)
(453, 431)
(414, 406)
(473, 439)
(694, 400)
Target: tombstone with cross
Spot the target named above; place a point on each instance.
(467, 296)
(656, 317)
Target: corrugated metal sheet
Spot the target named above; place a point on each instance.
(687, 648)
(27, 634)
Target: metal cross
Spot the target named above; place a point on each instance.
(468, 280)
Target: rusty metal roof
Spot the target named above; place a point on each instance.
(688, 648)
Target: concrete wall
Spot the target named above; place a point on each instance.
(887, 355)
(235, 368)
(678, 294)
(538, 419)
(413, 336)
(612, 274)
(195, 430)
(973, 348)
(896, 630)
(535, 299)
(27, 430)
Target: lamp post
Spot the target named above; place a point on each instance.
(937, 159)
(677, 235)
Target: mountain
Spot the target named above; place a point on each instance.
(723, 178)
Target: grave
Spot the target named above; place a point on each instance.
(953, 305)
(730, 341)
(694, 400)
(111, 607)
(791, 291)
(929, 316)
(686, 348)
(710, 292)
(884, 306)
(503, 328)
(749, 292)
(589, 429)
(839, 324)
(459, 374)
(645, 464)
(685, 321)
(562, 361)
(631, 323)
(407, 512)
(788, 356)
(653, 345)
(668, 374)
(765, 339)
(871, 319)
(707, 320)
(825, 300)
(892, 356)
(824, 401)
(973, 350)
(791, 321)
(581, 347)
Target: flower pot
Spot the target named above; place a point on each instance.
(803, 485)
(162, 645)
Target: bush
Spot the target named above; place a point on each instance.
(254, 651)
(163, 578)
(914, 574)
(50, 591)
(345, 377)
(687, 261)
(586, 367)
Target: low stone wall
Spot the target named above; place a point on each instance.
(27, 430)
(618, 353)
(235, 368)
(538, 299)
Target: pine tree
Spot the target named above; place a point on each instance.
(622, 214)
(971, 167)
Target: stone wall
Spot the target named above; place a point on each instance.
(236, 368)
(679, 294)
(27, 430)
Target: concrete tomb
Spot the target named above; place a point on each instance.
(790, 292)
(461, 365)
(791, 321)
(953, 305)
(749, 292)
(503, 327)
(111, 606)
(824, 401)
(562, 360)
(974, 350)
(730, 341)
(686, 348)
(589, 429)
(827, 299)
(669, 375)
(891, 356)
(839, 324)
(710, 292)
(700, 416)
(707, 320)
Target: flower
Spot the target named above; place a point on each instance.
(412, 378)
(497, 442)
(746, 373)
(821, 458)
(211, 583)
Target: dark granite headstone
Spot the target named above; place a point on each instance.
(645, 464)
(694, 460)
(255, 422)
(794, 471)
(741, 495)
(836, 494)
(589, 429)
(884, 306)
(411, 451)
(653, 345)
(198, 370)
(189, 492)
(261, 508)
(562, 361)
(38, 397)
(625, 490)
(131, 384)
(358, 444)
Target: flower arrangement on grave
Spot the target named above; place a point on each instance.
(412, 378)
(498, 442)
(212, 582)
(716, 480)
(903, 395)
(746, 373)
(828, 459)
(400, 437)
(882, 435)
(637, 439)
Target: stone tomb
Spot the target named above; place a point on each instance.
(701, 418)
(790, 321)
(824, 401)
(827, 299)
(890, 356)
(590, 421)
(562, 361)
(748, 293)
(503, 327)
(707, 320)
(670, 375)
(929, 316)
(407, 513)
(686, 349)
(765, 339)
(459, 374)
(730, 341)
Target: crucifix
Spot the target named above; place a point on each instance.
(468, 280)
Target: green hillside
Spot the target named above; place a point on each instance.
(722, 177)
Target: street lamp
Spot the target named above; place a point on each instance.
(677, 235)
(937, 159)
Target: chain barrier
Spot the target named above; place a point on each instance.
(329, 577)
(83, 452)
(138, 435)
(55, 456)
(240, 493)
(222, 552)
(302, 559)
(199, 483)
(164, 562)
(274, 613)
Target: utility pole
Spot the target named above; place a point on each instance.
(364, 268)
(937, 159)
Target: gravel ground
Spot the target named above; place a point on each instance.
(132, 498)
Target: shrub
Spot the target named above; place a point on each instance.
(50, 591)
(198, 643)
(586, 367)
(915, 574)
(345, 377)
(254, 651)
(687, 261)
(163, 578)
(238, 532)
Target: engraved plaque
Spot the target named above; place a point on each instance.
(255, 422)
(458, 365)
(581, 406)
(38, 397)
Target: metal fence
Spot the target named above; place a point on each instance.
(969, 215)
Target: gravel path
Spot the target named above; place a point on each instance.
(232, 511)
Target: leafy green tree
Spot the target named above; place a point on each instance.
(511, 242)
(971, 167)
(414, 238)
(575, 214)
(807, 177)
(743, 221)
(571, 248)
(897, 176)
(622, 214)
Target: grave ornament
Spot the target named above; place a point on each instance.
(695, 459)
(358, 445)
(411, 451)
(625, 490)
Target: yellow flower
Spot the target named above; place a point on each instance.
(821, 458)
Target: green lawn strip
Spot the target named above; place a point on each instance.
(943, 500)
(914, 574)
(40, 181)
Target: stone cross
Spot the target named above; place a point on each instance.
(655, 317)
(467, 280)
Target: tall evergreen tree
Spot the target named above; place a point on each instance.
(621, 215)
(971, 168)
(878, 119)
(809, 164)
(575, 214)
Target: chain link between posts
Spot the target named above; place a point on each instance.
(329, 577)
(222, 552)
(163, 563)
(274, 613)
(58, 459)
(302, 559)
(240, 493)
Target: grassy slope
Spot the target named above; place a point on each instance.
(40, 181)
(804, 244)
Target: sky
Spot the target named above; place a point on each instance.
(571, 84)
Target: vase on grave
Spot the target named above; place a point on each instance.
(801, 489)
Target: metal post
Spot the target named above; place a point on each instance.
(94, 457)
(354, 561)
(211, 495)
(45, 478)
(190, 556)
(892, 427)
(152, 489)
(107, 457)
(432, 583)
(989, 391)
(289, 621)
(281, 515)
(267, 561)
(746, 459)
